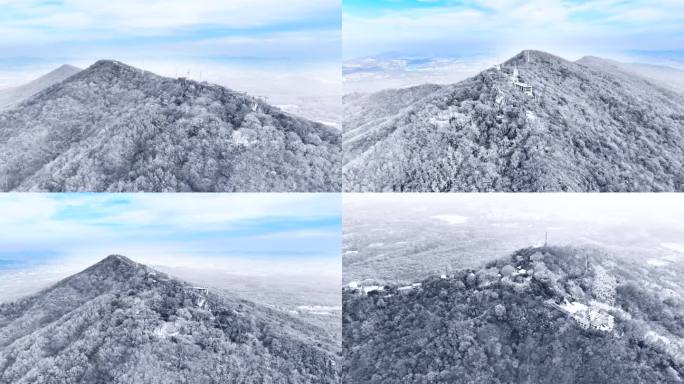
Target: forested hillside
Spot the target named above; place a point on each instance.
(365, 112)
(580, 128)
(122, 322)
(543, 315)
(113, 127)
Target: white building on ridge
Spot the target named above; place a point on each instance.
(523, 87)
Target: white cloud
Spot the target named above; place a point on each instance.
(512, 25)
(216, 38)
(198, 209)
(185, 229)
(132, 16)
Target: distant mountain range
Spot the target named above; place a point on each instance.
(14, 96)
(112, 127)
(664, 76)
(589, 125)
(543, 315)
(123, 322)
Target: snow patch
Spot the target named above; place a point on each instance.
(244, 136)
(324, 310)
(656, 262)
(652, 337)
(451, 219)
(574, 307)
(677, 247)
(201, 301)
(372, 288)
(167, 329)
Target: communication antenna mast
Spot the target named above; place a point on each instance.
(546, 239)
(586, 263)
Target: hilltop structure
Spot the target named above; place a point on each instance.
(521, 86)
(587, 316)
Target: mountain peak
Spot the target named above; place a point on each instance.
(530, 56)
(118, 259)
(66, 67)
(590, 57)
(116, 263)
(112, 67)
(97, 111)
(109, 63)
(594, 60)
(149, 325)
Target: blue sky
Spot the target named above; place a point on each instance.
(501, 28)
(231, 231)
(165, 35)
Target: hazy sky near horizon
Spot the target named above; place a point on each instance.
(243, 233)
(500, 28)
(174, 37)
(628, 223)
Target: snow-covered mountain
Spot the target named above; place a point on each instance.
(534, 123)
(543, 315)
(112, 127)
(14, 96)
(662, 75)
(123, 322)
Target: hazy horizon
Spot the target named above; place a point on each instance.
(445, 41)
(280, 236)
(393, 70)
(388, 237)
(290, 55)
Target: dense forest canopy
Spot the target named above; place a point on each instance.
(585, 126)
(122, 322)
(113, 127)
(512, 321)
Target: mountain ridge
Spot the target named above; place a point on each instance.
(119, 322)
(543, 314)
(113, 127)
(484, 134)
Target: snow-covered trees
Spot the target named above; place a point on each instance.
(121, 322)
(114, 128)
(587, 128)
(510, 330)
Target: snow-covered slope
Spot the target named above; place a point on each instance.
(123, 322)
(582, 128)
(13, 96)
(545, 315)
(664, 76)
(112, 127)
